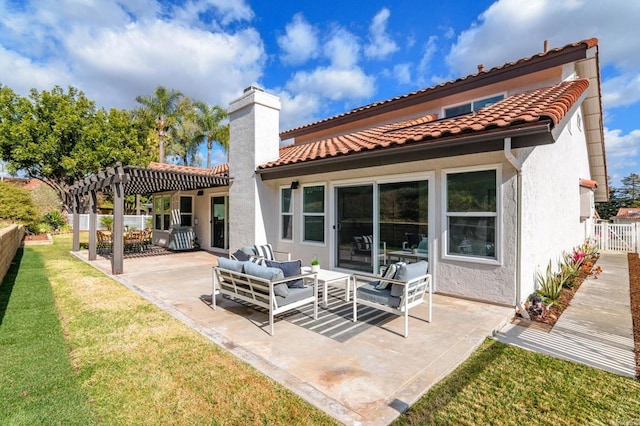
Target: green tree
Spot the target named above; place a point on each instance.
(630, 190)
(184, 133)
(60, 137)
(160, 109)
(16, 205)
(208, 119)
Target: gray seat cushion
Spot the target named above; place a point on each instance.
(370, 293)
(295, 294)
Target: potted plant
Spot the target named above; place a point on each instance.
(315, 265)
(414, 248)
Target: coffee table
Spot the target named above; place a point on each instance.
(331, 278)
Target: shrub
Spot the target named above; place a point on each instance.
(107, 222)
(16, 205)
(55, 220)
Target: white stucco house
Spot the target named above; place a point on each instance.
(490, 176)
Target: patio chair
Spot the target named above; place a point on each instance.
(400, 288)
(412, 240)
(105, 243)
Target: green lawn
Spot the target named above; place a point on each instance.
(78, 348)
(38, 382)
(505, 385)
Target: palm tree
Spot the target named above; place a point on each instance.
(162, 107)
(208, 120)
(185, 133)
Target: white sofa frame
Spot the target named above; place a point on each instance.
(413, 295)
(260, 292)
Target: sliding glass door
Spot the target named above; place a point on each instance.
(403, 220)
(354, 228)
(382, 223)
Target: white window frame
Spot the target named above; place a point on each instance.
(498, 215)
(283, 213)
(186, 214)
(323, 214)
(471, 102)
(162, 212)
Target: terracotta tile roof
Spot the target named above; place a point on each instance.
(549, 103)
(588, 43)
(219, 170)
(588, 183)
(628, 213)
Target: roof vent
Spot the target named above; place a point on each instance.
(480, 67)
(253, 87)
(546, 46)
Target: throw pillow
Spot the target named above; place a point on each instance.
(271, 274)
(289, 269)
(389, 273)
(408, 272)
(230, 264)
(265, 251)
(257, 260)
(241, 256)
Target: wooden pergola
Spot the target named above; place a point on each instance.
(126, 180)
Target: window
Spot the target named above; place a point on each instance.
(313, 214)
(186, 210)
(471, 106)
(286, 214)
(472, 213)
(161, 212)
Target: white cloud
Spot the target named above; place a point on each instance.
(402, 73)
(622, 153)
(342, 49)
(115, 52)
(297, 109)
(333, 83)
(225, 12)
(512, 29)
(22, 74)
(621, 90)
(430, 49)
(380, 43)
(299, 43)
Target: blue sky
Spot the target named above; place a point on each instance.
(320, 58)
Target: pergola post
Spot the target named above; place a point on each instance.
(76, 223)
(117, 254)
(93, 219)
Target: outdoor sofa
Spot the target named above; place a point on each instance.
(401, 287)
(275, 289)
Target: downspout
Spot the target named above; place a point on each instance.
(518, 166)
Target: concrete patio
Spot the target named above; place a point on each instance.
(362, 373)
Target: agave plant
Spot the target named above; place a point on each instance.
(549, 285)
(568, 270)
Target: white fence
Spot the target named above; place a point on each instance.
(617, 237)
(131, 221)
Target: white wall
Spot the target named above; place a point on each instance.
(495, 283)
(551, 202)
(253, 140)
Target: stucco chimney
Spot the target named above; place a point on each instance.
(546, 46)
(254, 139)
